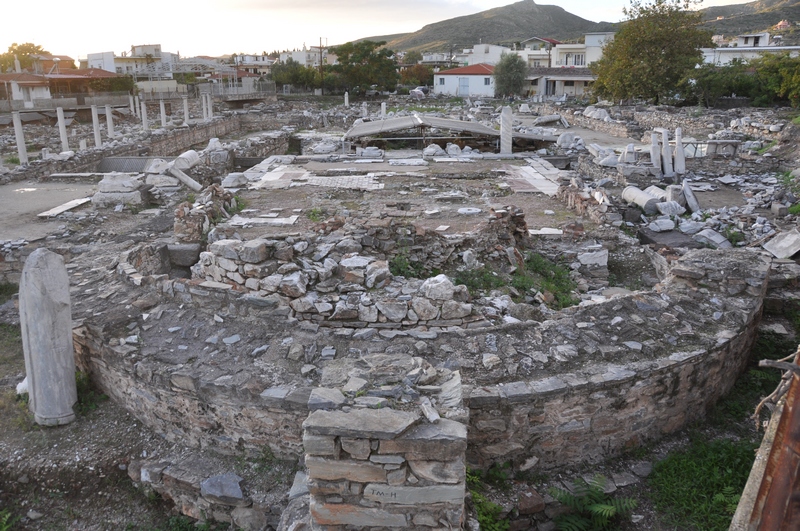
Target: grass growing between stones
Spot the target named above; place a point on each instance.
(12, 360)
(89, 398)
(698, 487)
(7, 290)
(590, 507)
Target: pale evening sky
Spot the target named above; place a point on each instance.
(219, 27)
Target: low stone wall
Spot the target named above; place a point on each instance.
(179, 140)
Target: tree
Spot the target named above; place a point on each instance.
(23, 52)
(509, 75)
(365, 64)
(657, 46)
(417, 75)
(293, 73)
(708, 83)
(778, 77)
(412, 58)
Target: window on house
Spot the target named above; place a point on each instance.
(535, 83)
(487, 81)
(569, 83)
(579, 59)
(745, 40)
(118, 69)
(441, 81)
(755, 41)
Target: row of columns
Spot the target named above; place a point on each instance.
(138, 108)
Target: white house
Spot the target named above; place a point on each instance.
(254, 64)
(480, 53)
(746, 47)
(24, 89)
(309, 56)
(465, 81)
(145, 59)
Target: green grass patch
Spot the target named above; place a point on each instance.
(482, 279)
(794, 209)
(767, 147)
(315, 214)
(401, 266)
(796, 120)
(698, 487)
(7, 521)
(12, 159)
(182, 523)
(546, 276)
(488, 513)
(12, 359)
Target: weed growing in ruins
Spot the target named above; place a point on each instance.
(401, 266)
(734, 236)
(183, 523)
(499, 475)
(696, 487)
(755, 383)
(546, 276)
(794, 209)
(488, 513)
(7, 290)
(237, 205)
(88, 398)
(767, 147)
(315, 214)
(13, 159)
(590, 507)
(479, 279)
(7, 521)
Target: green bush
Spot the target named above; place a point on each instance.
(479, 279)
(401, 266)
(488, 513)
(88, 398)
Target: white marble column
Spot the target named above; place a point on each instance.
(347, 99)
(46, 319)
(506, 120)
(185, 109)
(62, 129)
(132, 103)
(110, 122)
(20, 136)
(98, 142)
(137, 106)
(655, 151)
(145, 123)
(163, 110)
(680, 154)
(210, 106)
(383, 109)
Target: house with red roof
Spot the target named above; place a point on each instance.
(465, 81)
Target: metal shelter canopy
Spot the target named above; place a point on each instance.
(414, 122)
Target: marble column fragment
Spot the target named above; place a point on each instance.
(506, 119)
(109, 122)
(62, 129)
(185, 109)
(163, 110)
(680, 154)
(145, 123)
(22, 150)
(46, 319)
(98, 142)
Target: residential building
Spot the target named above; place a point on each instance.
(309, 56)
(50, 64)
(253, 64)
(481, 54)
(537, 51)
(465, 81)
(746, 47)
(146, 60)
(20, 91)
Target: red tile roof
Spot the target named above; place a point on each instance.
(481, 69)
(24, 78)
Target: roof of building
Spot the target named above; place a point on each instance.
(545, 39)
(481, 69)
(24, 78)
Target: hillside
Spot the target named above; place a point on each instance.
(753, 17)
(512, 23)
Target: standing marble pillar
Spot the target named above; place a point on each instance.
(131, 103)
(506, 119)
(185, 109)
(62, 129)
(364, 110)
(163, 110)
(46, 319)
(655, 151)
(680, 154)
(666, 153)
(145, 123)
(110, 122)
(98, 142)
(210, 106)
(383, 109)
(22, 150)
(136, 106)
(346, 99)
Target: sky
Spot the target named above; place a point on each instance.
(223, 27)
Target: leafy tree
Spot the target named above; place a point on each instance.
(365, 63)
(509, 75)
(778, 77)
(293, 73)
(113, 84)
(657, 46)
(412, 58)
(417, 75)
(708, 83)
(23, 52)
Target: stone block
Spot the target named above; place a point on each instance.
(319, 444)
(361, 423)
(325, 398)
(357, 448)
(224, 489)
(340, 514)
(449, 472)
(253, 251)
(184, 254)
(391, 495)
(444, 441)
(332, 470)
(530, 502)
(274, 396)
(516, 391)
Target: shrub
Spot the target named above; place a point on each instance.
(590, 508)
